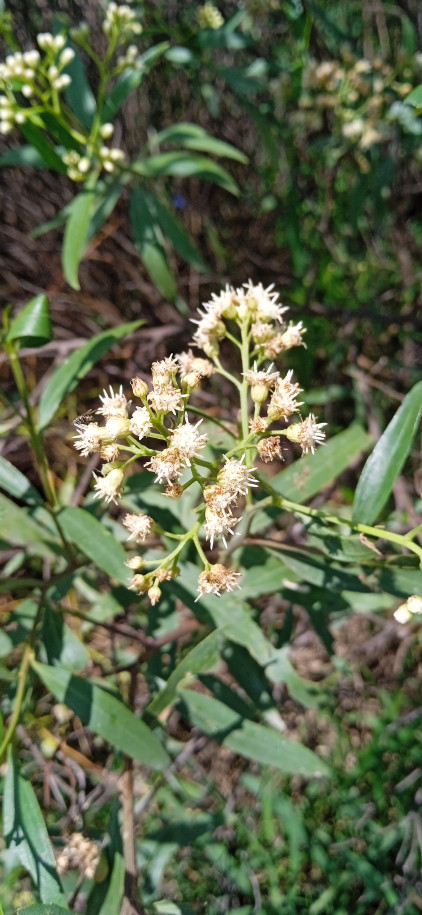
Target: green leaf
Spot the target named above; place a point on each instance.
(185, 165)
(17, 526)
(254, 741)
(37, 138)
(43, 910)
(26, 834)
(61, 644)
(16, 484)
(22, 157)
(75, 235)
(387, 459)
(203, 657)
(76, 366)
(415, 97)
(32, 326)
(175, 233)
(309, 475)
(150, 243)
(131, 79)
(95, 541)
(79, 95)
(105, 715)
(194, 137)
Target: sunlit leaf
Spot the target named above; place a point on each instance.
(202, 657)
(26, 834)
(150, 243)
(76, 234)
(194, 137)
(387, 459)
(185, 165)
(105, 715)
(16, 484)
(255, 741)
(95, 541)
(32, 326)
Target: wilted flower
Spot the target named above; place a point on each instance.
(217, 579)
(109, 487)
(308, 434)
(138, 525)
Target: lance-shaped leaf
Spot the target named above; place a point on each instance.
(185, 165)
(387, 459)
(104, 714)
(203, 657)
(194, 137)
(95, 541)
(175, 233)
(16, 484)
(42, 910)
(149, 240)
(79, 95)
(37, 138)
(76, 366)
(76, 234)
(32, 326)
(26, 834)
(255, 741)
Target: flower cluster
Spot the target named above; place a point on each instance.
(157, 428)
(121, 21)
(209, 17)
(36, 77)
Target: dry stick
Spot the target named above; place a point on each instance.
(132, 904)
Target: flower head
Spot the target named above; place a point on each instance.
(138, 525)
(307, 433)
(166, 465)
(216, 580)
(166, 400)
(89, 438)
(109, 487)
(235, 478)
(186, 440)
(140, 422)
(283, 401)
(113, 404)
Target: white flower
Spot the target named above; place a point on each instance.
(138, 525)
(140, 423)
(283, 400)
(167, 400)
(91, 438)
(188, 363)
(218, 524)
(307, 433)
(217, 579)
(166, 465)
(262, 303)
(187, 441)
(163, 372)
(113, 404)
(109, 487)
(235, 478)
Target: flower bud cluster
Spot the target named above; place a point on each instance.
(121, 22)
(158, 430)
(36, 77)
(209, 17)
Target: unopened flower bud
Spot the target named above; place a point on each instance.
(135, 563)
(154, 594)
(117, 427)
(139, 583)
(139, 388)
(106, 131)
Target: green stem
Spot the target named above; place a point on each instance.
(28, 654)
(377, 532)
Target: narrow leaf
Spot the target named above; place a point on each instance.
(175, 233)
(387, 459)
(17, 526)
(95, 541)
(75, 235)
(150, 243)
(105, 715)
(194, 137)
(201, 658)
(32, 326)
(22, 157)
(79, 95)
(43, 910)
(76, 366)
(415, 97)
(255, 741)
(185, 165)
(306, 477)
(26, 834)
(37, 138)
(16, 484)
